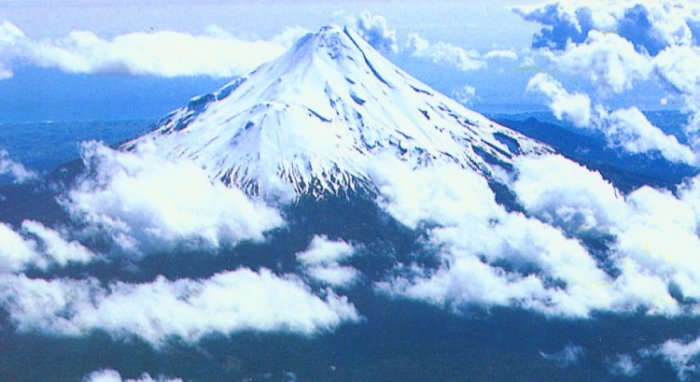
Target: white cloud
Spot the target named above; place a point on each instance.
(649, 25)
(109, 375)
(573, 107)
(624, 366)
(375, 30)
(215, 53)
(322, 260)
(465, 94)
(626, 128)
(610, 61)
(333, 274)
(144, 203)
(631, 130)
(655, 233)
(473, 235)
(324, 251)
(37, 246)
(679, 67)
(568, 356)
(444, 53)
(503, 54)
(185, 309)
(681, 355)
(17, 171)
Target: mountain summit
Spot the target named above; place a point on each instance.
(318, 114)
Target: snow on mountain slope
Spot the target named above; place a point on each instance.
(318, 115)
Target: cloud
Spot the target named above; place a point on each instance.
(38, 246)
(487, 256)
(623, 365)
(322, 260)
(573, 107)
(610, 61)
(682, 356)
(15, 170)
(109, 375)
(625, 128)
(140, 200)
(215, 53)
(652, 234)
(184, 309)
(375, 30)
(444, 53)
(465, 94)
(568, 356)
(324, 251)
(631, 130)
(679, 68)
(650, 25)
(502, 54)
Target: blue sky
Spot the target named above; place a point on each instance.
(131, 59)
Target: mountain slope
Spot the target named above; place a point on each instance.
(317, 115)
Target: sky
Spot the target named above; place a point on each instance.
(38, 91)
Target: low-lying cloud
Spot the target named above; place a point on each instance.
(628, 128)
(145, 202)
(214, 53)
(184, 309)
(37, 246)
(322, 262)
(15, 170)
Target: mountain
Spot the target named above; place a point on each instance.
(319, 114)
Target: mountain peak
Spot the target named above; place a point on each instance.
(318, 115)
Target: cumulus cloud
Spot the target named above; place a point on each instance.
(583, 246)
(568, 356)
(654, 233)
(38, 246)
(376, 31)
(215, 53)
(322, 260)
(15, 170)
(573, 107)
(184, 309)
(649, 25)
(610, 61)
(679, 68)
(625, 128)
(142, 201)
(488, 256)
(109, 375)
(444, 53)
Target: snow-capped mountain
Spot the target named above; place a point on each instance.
(318, 114)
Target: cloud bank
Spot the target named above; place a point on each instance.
(184, 309)
(215, 53)
(143, 203)
(625, 128)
